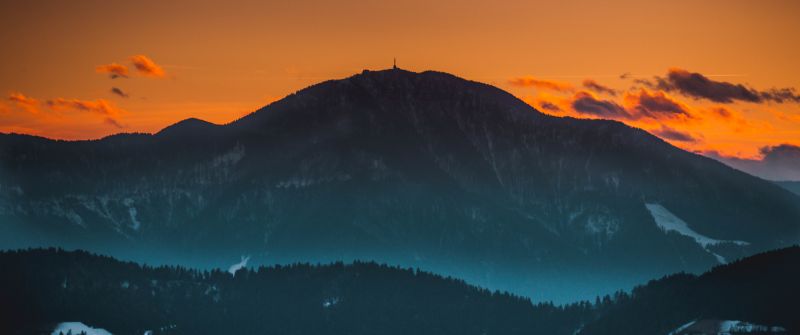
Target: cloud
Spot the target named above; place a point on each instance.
(655, 104)
(114, 70)
(27, 103)
(147, 66)
(779, 162)
(99, 106)
(586, 103)
(674, 134)
(114, 122)
(541, 84)
(722, 112)
(119, 92)
(594, 86)
(59, 118)
(625, 75)
(698, 86)
(549, 106)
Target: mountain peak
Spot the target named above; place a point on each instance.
(404, 92)
(187, 126)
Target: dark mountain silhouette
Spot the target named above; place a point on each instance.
(417, 169)
(793, 186)
(761, 289)
(49, 286)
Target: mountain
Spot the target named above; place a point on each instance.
(792, 186)
(416, 169)
(47, 287)
(761, 289)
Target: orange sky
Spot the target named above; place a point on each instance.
(220, 60)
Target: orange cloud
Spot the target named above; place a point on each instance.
(673, 134)
(147, 66)
(655, 105)
(588, 104)
(64, 118)
(598, 88)
(114, 70)
(27, 103)
(541, 84)
(99, 106)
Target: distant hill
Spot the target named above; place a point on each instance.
(421, 170)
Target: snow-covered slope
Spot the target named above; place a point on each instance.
(668, 222)
(76, 328)
(724, 327)
(238, 266)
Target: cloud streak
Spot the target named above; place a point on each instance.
(146, 66)
(588, 104)
(119, 92)
(27, 103)
(541, 84)
(549, 106)
(596, 87)
(666, 132)
(113, 70)
(98, 106)
(698, 86)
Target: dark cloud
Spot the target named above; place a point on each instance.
(780, 154)
(655, 105)
(119, 92)
(698, 86)
(674, 134)
(722, 112)
(781, 95)
(594, 86)
(780, 162)
(546, 105)
(113, 122)
(625, 75)
(585, 103)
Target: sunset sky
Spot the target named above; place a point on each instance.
(716, 77)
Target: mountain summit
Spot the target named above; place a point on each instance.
(416, 169)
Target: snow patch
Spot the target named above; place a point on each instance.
(231, 157)
(135, 224)
(330, 302)
(682, 328)
(238, 266)
(669, 222)
(77, 328)
(724, 327)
